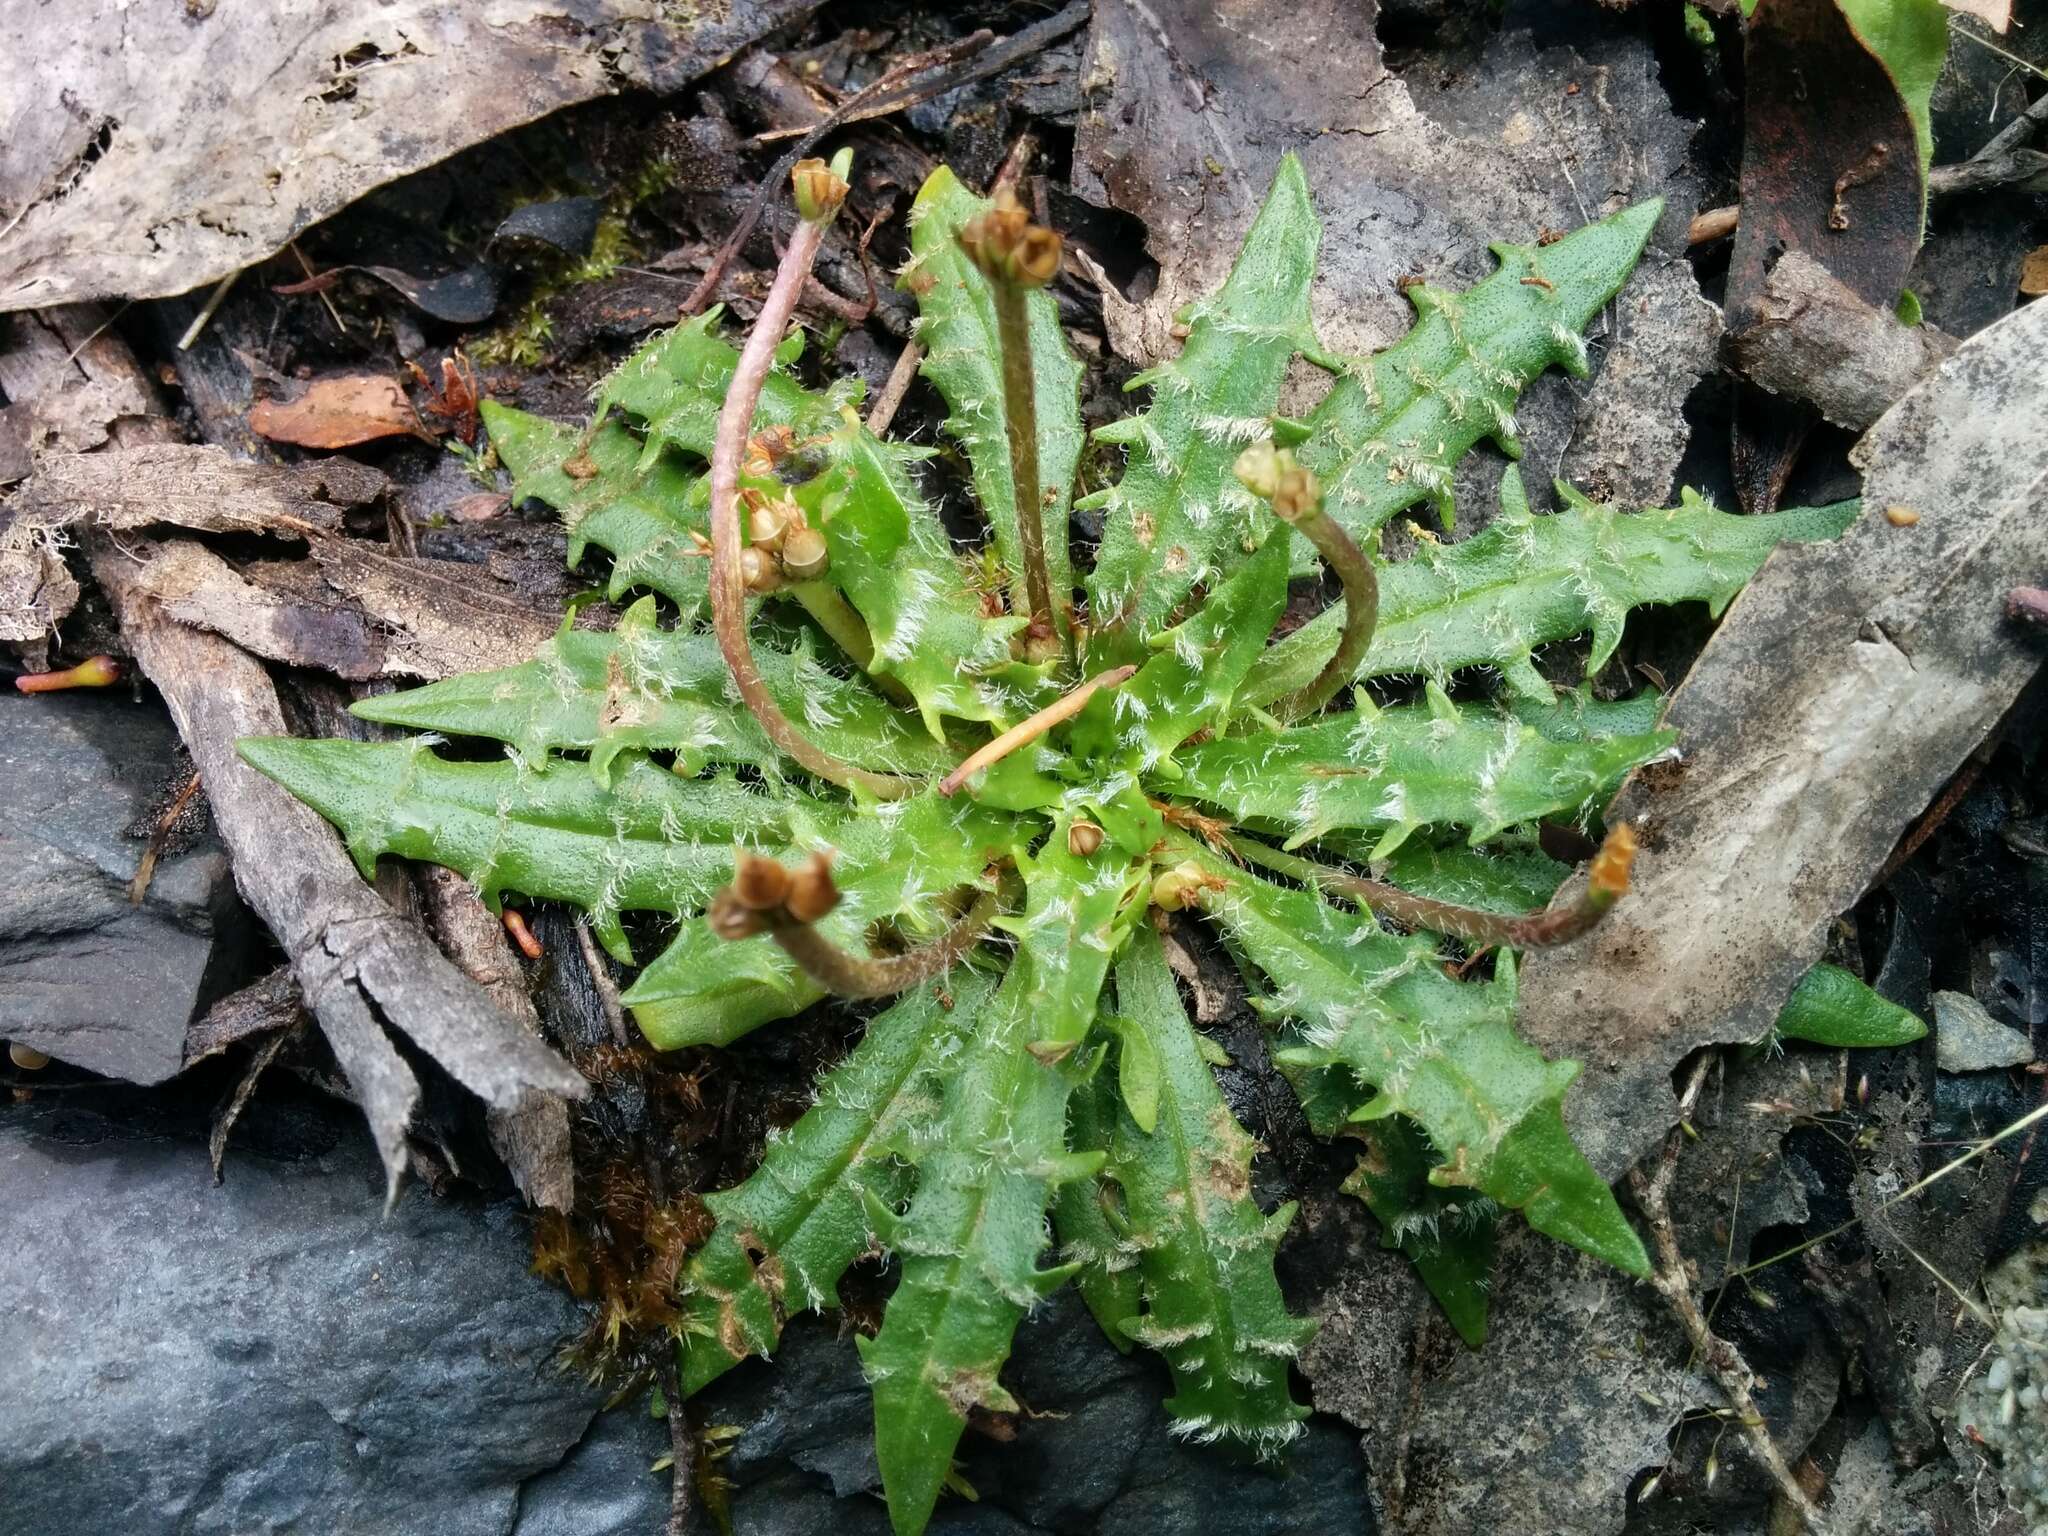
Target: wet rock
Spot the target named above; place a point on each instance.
(274, 1354)
(1093, 1452)
(85, 976)
(1967, 1039)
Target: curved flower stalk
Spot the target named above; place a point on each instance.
(910, 777)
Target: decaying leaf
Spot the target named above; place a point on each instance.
(119, 175)
(338, 412)
(1184, 113)
(1842, 691)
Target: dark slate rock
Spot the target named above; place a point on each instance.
(271, 1355)
(83, 975)
(1095, 1453)
(606, 1486)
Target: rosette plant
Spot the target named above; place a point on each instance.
(970, 780)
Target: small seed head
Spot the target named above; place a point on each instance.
(1008, 248)
(27, 1057)
(766, 525)
(804, 557)
(1084, 838)
(730, 920)
(758, 570)
(811, 891)
(820, 188)
(1178, 887)
(759, 884)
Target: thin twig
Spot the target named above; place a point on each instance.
(682, 1445)
(728, 587)
(1717, 1355)
(895, 388)
(1033, 727)
(206, 310)
(910, 82)
(1536, 930)
(146, 869)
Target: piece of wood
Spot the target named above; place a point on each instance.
(1842, 691)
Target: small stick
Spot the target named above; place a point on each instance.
(146, 869)
(1607, 884)
(1033, 727)
(1723, 1362)
(206, 311)
(1297, 499)
(820, 192)
(897, 386)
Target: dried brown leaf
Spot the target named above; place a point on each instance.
(338, 412)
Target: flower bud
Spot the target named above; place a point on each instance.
(1083, 839)
(1178, 887)
(1008, 248)
(94, 672)
(820, 188)
(811, 891)
(804, 557)
(759, 884)
(1258, 468)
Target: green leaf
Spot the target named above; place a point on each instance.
(1378, 1011)
(1076, 913)
(969, 1244)
(1178, 519)
(1910, 39)
(963, 360)
(1831, 1007)
(1448, 1234)
(787, 1234)
(1137, 1072)
(643, 514)
(1088, 1217)
(642, 688)
(649, 842)
(1393, 426)
(896, 566)
(1402, 768)
(901, 868)
(1188, 685)
(1212, 1304)
(1515, 878)
(1529, 581)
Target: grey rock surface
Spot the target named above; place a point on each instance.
(1968, 1039)
(271, 1355)
(85, 976)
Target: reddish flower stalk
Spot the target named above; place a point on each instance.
(1297, 499)
(820, 190)
(1607, 883)
(766, 898)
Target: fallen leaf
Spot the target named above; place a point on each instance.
(2034, 272)
(127, 179)
(338, 412)
(1995, 14)
(1184, 117)
(1842, 691)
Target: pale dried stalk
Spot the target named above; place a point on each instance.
(728, 588)
(1033, 727)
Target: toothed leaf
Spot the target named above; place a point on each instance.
(1393, 426)
(969, 1244)
(1177, 518)
(1448, 1234)
(1398, 769)
(648, 689)
(1382, 1025)
(787, 1234)
(1088, 1218)
(1212, 1304)
(1526, 582)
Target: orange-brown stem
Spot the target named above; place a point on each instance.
(94, 672)
(1035, 726)
(1607, 884)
